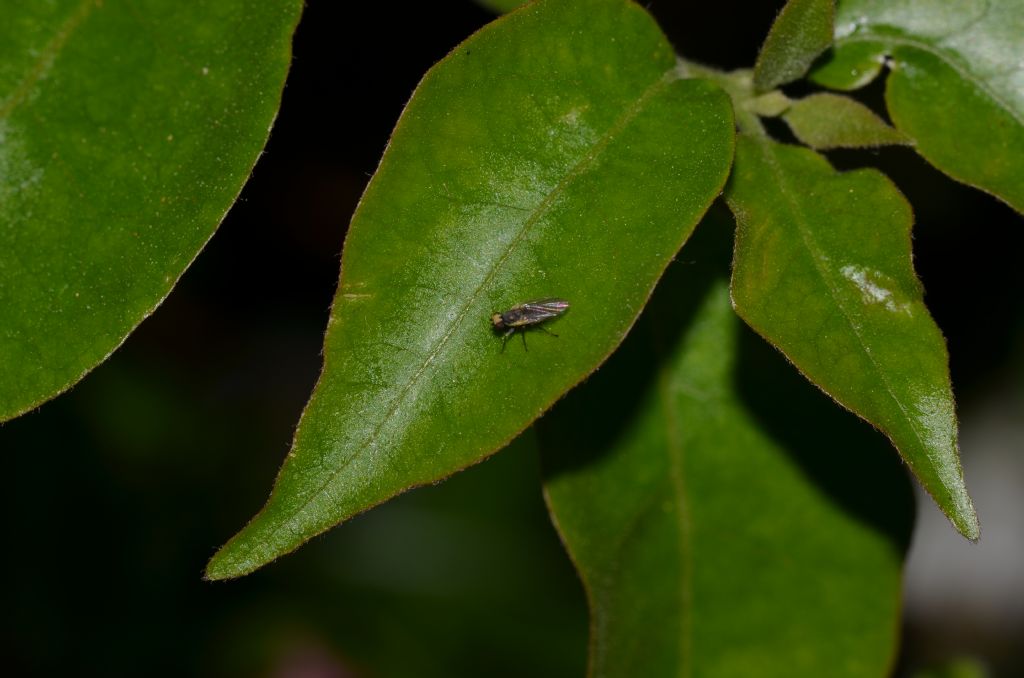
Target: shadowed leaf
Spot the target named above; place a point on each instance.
(714, 504)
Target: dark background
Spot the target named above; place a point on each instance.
(118, 492)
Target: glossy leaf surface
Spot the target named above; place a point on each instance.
(832, 121)
(956, 86)
(801, 32)
(553, 154)
(714, 505)
(823, 271)
(126, 132)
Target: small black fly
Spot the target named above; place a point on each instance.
(524, 316)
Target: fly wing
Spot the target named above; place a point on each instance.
(542, 309)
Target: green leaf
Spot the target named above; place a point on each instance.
(956, 86)
(823, 271)
(714, 505)
(769, 105)
(849, 68)
(960, 667)
(801, 32)
(127, 130)
(833, 121)
(501, 6)
(554, 153)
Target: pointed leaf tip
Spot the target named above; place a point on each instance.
(965, 518)
(823, 271)
(220, 567)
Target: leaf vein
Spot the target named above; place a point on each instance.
(816, 256)
(574, 172)
(963, 72)
(678, 486)
(46, 57)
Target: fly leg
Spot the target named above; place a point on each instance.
(504, 338)
(546, 331)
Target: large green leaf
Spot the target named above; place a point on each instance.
(801, 32)
(126, 132)
(714, 504)
(554, 153)
(957, 81)
(823, 271)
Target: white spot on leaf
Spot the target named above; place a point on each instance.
(873, 289)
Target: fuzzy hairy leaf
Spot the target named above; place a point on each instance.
(825, 121)
(801, 32)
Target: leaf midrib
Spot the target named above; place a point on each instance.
(577, 170)
(47, 55)
(675, 451)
